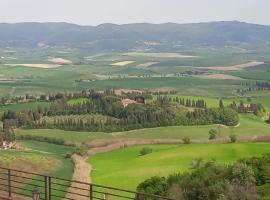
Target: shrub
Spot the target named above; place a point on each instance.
(80, 151)
(186, 140)
(155, 185)
(213, 134)
(233, 138)
(68, 155)
(145, 151)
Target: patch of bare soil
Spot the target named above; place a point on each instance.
(43, 66)
(60, 61)
(220, 76)
(102, 146)
(234, 67)
(122, 63)
(146, 65)
(264, 138)
(81, 173)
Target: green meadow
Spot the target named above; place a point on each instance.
(22, 106)
(250, 126)
(125, 168)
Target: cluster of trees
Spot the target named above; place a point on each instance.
(162, 112)
(163, 100)
(262, 85)
(78, 123)
(255, 108)
(247, 179)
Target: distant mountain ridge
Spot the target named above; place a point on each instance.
(112, 37)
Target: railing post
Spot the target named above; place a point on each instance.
(105, 196)
(46, 187)
(50, 188)
(9, 183)
(91, 192)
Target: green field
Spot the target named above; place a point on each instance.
(126, 168)
(257, 75)
(250, 126)
(77, 101)
(22, 106)
(41, 157)
(25, 80)
(65, 170)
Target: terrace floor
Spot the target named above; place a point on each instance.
(4, 196)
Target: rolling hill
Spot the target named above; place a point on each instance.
(155, 37)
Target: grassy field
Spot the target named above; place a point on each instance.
(126, 168)
(23, 106)
(250, 126)
(65, 170)
(68, 136)
(77, 101)
(255, 75)
(18, 80)
(40, 157)
(57, 152)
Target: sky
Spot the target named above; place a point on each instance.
(94, 12)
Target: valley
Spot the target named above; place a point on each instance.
(136, 111)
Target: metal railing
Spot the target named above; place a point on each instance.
(21, 183)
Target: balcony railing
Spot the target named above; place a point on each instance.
(20, 183)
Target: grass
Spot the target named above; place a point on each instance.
(43, 158)
(68, 136)
(255, 75)
(23, 106)
(63, 79)
(126, 169)
(54, 152)
(250, 126)
(77, 101)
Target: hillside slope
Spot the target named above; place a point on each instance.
(112, 37)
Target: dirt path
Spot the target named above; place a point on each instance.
(81, 173)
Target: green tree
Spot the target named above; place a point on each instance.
(233, 138)
(186, 140)
(213, 134)
(155, 185)
(221, 105)
(145, 151)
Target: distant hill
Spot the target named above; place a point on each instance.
(156, 37)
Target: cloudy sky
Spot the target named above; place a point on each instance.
(94, 12)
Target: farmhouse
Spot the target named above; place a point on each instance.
(127, 102)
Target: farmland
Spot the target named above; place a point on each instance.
(39, 157)
(23, 106)
(126, 168)
(250, 127)
(183, 101)
(205, 74)
(146, 71)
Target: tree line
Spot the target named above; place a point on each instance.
(161, 112)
